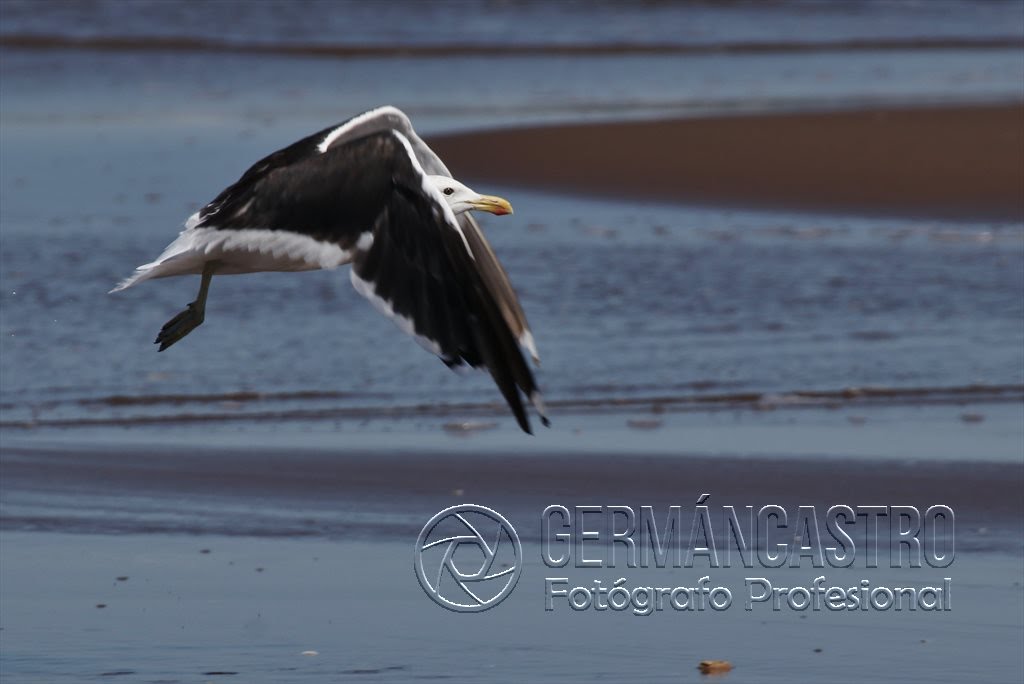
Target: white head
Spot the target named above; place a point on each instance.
(460, 198)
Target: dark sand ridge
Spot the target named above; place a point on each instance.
(951, 162)
(983, 494)
(470, 47)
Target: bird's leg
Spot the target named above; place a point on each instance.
(192, 317)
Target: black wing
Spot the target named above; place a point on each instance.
(334, 196)
(498, 284)
(419, 271)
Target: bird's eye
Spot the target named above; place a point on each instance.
(449, 191)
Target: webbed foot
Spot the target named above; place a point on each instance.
(181, 325)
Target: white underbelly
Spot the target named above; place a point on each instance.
(241, 251)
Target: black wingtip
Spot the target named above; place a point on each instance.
(162, 340)
(522, 419)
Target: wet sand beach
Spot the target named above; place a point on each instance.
(222, 608)
(936, 162)
(294, 565)
(342, 493)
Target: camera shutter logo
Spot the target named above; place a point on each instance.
(475, 561)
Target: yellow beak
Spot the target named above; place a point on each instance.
(494, 205)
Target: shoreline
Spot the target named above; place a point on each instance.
(311, 405)
(330, 492)
(188, 44)
(937, 162)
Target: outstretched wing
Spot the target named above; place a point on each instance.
(333, 196)
(297, 209)
(419, 269)
(497, 283)
(494, 277)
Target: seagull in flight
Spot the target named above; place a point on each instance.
(368, 192)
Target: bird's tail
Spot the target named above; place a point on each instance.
(183, 256)
(144, 272)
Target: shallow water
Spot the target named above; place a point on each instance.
(625, 301)
(401, 23)
(105, 153)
